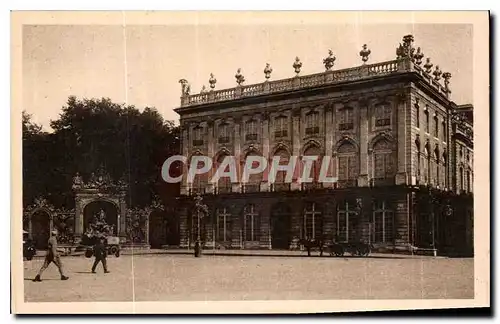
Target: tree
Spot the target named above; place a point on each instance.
(94, 132)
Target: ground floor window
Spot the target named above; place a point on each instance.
(346, 218)
(222, 229)
(251, 226)
(383, 223)
(312, 225)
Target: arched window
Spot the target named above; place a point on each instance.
(436, 126)
(435, 163)
(315, 167)
(443, 132)
(280, 183)
(199, 181)
(417, 115)
(347, 164)
(383, 160)
(224, 184)
(461, 178)
(251, 225)
(469, 182)
(383, 222)
(222, 232)
(418, 165)
(312, 226)
(254, 179)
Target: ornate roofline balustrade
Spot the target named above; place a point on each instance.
(409, 59)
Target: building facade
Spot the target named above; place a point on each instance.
(401, 149)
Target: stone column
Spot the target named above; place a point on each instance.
(236, 234)
(295, 132)
(401, 220)
(401, 114)
(265, 225)
(295, 223)
(363, 142)
(78, 219)
(264, 186)
(147, 228)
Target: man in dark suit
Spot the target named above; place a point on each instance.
(100, 253)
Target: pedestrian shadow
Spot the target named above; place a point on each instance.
(84, 272)
(31, 279)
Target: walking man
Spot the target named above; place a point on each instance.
(100, 253)
(52, 256)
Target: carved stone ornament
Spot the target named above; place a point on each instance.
(365, 53)
(212, 81)
(329, 61)
(239, 77)
(297, 65)
(437, 73)
(428, 66)
(203, 89)
(185, 88)
(40, 203)
(419, 55)
(447, 77)
(267, 71)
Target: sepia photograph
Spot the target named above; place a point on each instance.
(249, 162)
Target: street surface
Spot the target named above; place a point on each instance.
(175, 277)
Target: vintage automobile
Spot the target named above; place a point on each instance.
(29, 250)
(113, 244)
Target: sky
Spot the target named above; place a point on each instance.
(141, 64)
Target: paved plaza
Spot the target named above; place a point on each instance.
(174, 277)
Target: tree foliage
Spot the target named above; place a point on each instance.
(90, 133)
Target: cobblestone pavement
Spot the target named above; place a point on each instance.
(173, 277)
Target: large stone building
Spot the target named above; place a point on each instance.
(401, 149)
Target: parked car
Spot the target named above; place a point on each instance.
(29, 250)
(113, 243)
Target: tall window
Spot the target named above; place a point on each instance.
(382, 115)
(417, 115)
(436, 127)
(312, 227)
(443, 132)
(383, 222)
(198, 136)
(279, 181)
(199, 180)
(417, 160)
(346, 216)
(427, 122)
(251, 133)
(461, 177)
(346, 119)
(347, 162)
(224, 183)
(469, 186)
(425, 164)
(280, 127)
(436, 181)
(383, 160)
(224, 137)
(312, 123)
(254, 180)
(250, 223)
(444, 168)
(222, 230)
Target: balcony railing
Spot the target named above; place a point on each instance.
(357, 73)
(312, 130)
(281, 133)
(349, 183)
(250, 137)
(224, 140)
(383, 122)
(197, 190)
(377, 182)
(312, 186)
(224, 189)
(346, 126)
(253, 187)
(280, 187)
(197, 142)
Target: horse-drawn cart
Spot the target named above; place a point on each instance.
(353, 248)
